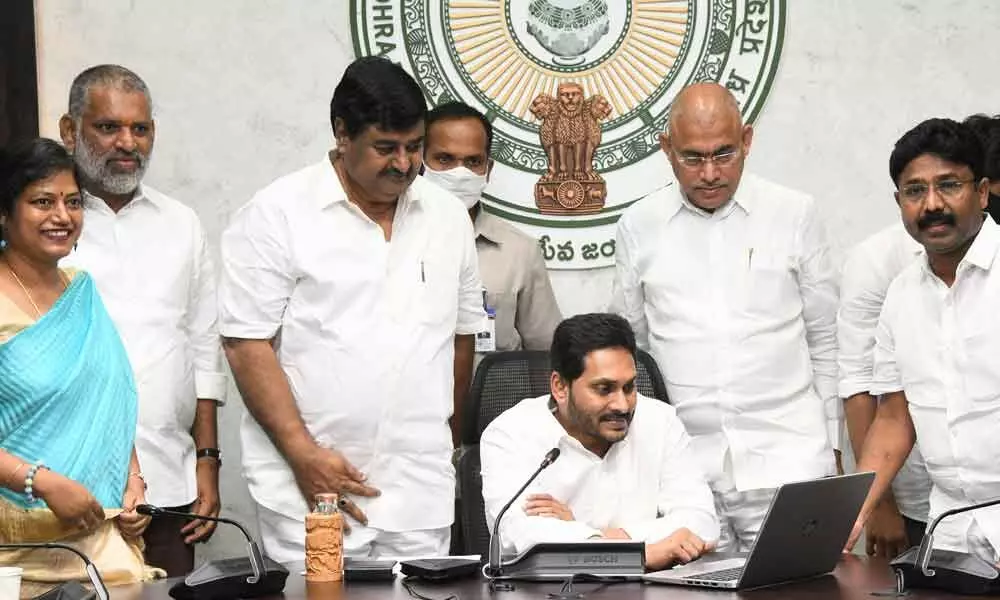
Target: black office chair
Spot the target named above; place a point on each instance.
(505, 378)
(472, 518)
(502, 380)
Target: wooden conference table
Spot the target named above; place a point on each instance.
(855, 578)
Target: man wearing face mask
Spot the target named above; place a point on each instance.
(369, 273)
(456, 158)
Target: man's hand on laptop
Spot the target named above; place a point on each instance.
(544, 505)
(885, 532)
(681, 547)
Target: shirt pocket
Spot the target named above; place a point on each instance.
(436, 299)
(981, 366)
(770, 282)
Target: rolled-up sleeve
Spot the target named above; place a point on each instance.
(684, 499)
(818, 288)
(471, 316)
(202, 324)
(257, 277)
(861, 297)
(885, 372)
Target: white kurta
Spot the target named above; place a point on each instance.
(152, 267)
(739, 309)
(366, 335)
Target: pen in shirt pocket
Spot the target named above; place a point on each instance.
(749, 257)
(423, 278)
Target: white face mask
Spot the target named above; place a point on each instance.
(460, 181)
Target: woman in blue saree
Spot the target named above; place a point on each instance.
(68, 469)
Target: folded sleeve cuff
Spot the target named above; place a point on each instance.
(210, 385)
(833, 433)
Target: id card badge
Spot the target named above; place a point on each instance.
(486, 341)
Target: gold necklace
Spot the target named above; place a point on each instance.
(27, 294)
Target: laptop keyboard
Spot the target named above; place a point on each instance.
(723, 575)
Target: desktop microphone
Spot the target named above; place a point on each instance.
(71, 590)
(495, 567)
(958, 572)
(243, 577)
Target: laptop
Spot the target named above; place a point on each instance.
(802, 536)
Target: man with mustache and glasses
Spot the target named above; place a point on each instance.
(457, 158)
(625, 468)
(149, 258)
(899, 519)
(937, 341)
(349, 300)
(728, 281)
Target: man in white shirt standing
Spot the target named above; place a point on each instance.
(625, 469)
(728, 281)
(900, 519)
(149, 257)
(938, 340)
(349, 300)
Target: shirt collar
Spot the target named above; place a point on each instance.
(329, 191)
(980, 254)
(140, 196)
(743, 198)
(563, 437)
(485, 227)
(984, 248)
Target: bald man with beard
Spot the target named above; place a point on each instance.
(728, 280)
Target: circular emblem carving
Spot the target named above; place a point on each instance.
(570, 194)
(632, 56)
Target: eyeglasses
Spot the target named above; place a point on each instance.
(695, 161)
(949, 188)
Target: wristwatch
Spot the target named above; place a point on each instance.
(209, 453)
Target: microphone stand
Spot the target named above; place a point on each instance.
(230, 578)
(924, 567)
(927, 543)
(495, 566)
(100, 590)
(253, 550)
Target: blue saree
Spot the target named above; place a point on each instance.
(68, 398)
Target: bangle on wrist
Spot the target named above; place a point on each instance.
(13, 474)
(29, 481)
(138, 475)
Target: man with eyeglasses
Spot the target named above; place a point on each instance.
(899, 520)
(936, 346)
(728, 281)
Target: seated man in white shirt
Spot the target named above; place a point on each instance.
(625, 470)
(937, 340)
(728, 280)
